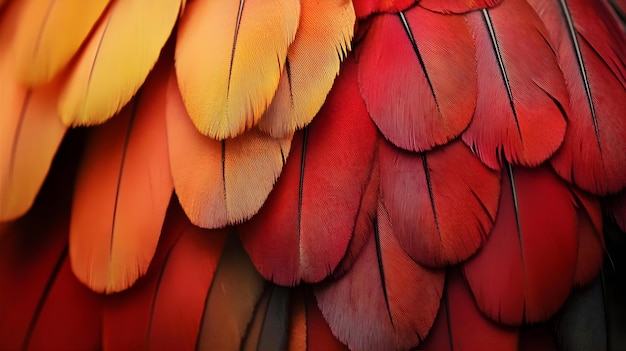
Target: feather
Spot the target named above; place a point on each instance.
(313, 60)
(116, 60)
(232, 302)
(590, 241)
(364, 8)
(581, 325)
(308, 329)
(457, 6)
(269, 327)
(303, 230)
(42, 305)
(386, 301)
(619, 6)
(416, 102)
(50, 33)
(461, 326)
(591, 48)
(30, 133)
(220, 182)
(121, 193)
(440, 215)
(177, 309)
(525, 271)
(229, 59)
(522, 99)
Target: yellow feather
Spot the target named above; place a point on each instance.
(30, 132)
(117, 59)
(323, 39)
(229, 58)
(220, 183)
(49, 34)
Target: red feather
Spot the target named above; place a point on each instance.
(457, 6)
(522, 99)
(303, 230)
(42, 305)
(386, 301)
(364, 8)
(461, 326)
(440, 215)
(591, 48)
(525, 271)
(426, 92)
(590, 243)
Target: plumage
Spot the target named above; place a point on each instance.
(364, 8)
(309, 330)
(115, 226)
(525, 271)
(591, 47)
(313, 60)
(49, 34)
(116, 60)
(590, 244)
(30, 133)
(461, 326)
(440, 216)
(457, 6)
(212, 177)
(522, 99)
(243, 46)
(394, 299)
(416, 102)
(304, 228)
(269, 328)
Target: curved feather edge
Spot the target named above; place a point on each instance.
(416, 102)
(365, 8)
(457, 6)
(532, 249)
(212, 178)
(243, 46)
(591, 48)
(296, 236)
(322, 41)
(522, 99)
(116, 60)
(395, 303)
(122, 191)
(461, 326)
(446, 216)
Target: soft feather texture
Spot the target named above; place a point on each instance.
(269, 327)
(116, 60)
(364, 8)
(461, 326)
(522, 99)
(303, 230)
(416, 101)
(591, 49)
(49, 34)
(439, 214)
(121, 193)
(590, 242)
(220, 182)
(242, 46)
(386, 301)
(42, 304)
(308, 329)
(30, 133)
(313, 60)
(525, 271)
(457, 6)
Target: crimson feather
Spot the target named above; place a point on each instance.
(439, 214)
(416, 100)
(303, 230)
(364, 8)
(461, 326)
(386, 301)
(591, 48)
(522, 99)
(457, 6)
(524, 272)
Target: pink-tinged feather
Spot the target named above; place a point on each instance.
(457, 6)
